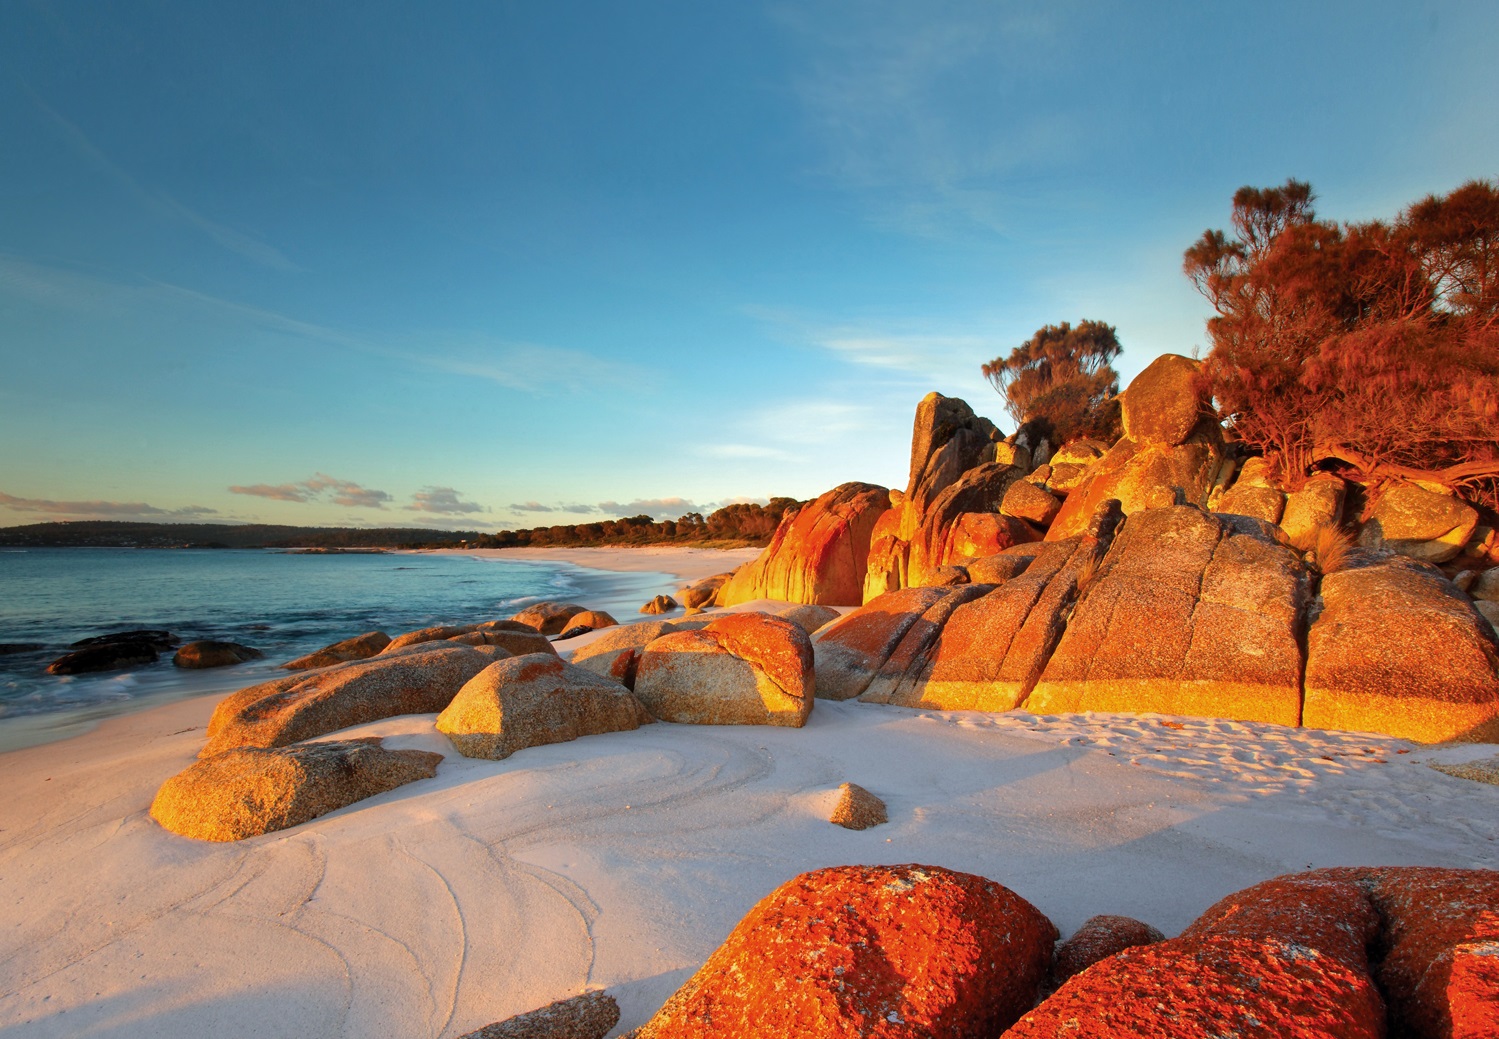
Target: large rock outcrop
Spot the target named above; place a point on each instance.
(1171, 452)
(818, 554)
(1190, 613)
(248, 791)
(1398, 649)
(898, 952)
(421, 679)
(739, 669)
(947, 441)
(534, 700)
(988, 651)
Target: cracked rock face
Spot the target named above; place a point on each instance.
(1190, 613)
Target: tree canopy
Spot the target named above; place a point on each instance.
(1370, 345)
(1060, 381)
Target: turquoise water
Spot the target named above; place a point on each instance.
(280, 603)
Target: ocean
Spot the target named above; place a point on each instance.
(284, 604)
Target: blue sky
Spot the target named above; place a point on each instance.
(490, 264)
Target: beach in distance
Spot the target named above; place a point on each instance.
(621, 861)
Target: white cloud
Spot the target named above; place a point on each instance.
(320, 488)
(656, 508)
(159, 202)
(927, 110)
(443, 500)
(100, 509)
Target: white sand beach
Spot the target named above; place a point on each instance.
(621, 861)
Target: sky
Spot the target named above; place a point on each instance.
(487, 265)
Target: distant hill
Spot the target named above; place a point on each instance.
(115, 534)
(737, 525)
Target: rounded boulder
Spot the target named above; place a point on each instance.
(898, 952)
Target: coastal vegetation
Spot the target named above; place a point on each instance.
(740, 525)
(1061, 383)
(1369, 348)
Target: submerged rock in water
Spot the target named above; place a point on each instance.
(113, 652)
(207, 653)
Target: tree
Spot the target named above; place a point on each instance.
(1061, 383)
(1372, 346)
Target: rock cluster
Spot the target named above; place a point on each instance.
(496, 687)
(924, 951)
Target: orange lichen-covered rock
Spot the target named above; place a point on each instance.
(1440, 945)
(1190, 613)
(253, 790)
(1024, 500)
(1335, 917)
(1165, 402)
(420, 679)
(885, 952)
(818, 554)
(1098, 939)
(739, 669)
(435, 633)
(888, 683)
(703, 592)
(1197, 988)
(1398, 649)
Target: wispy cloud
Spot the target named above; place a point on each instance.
(528, 367)
(656, 508)
(927, 110)
(523, 367)
(741, 451)
(159, 202)
(99, 509)
(536, 506)
(442, 500)
(320, 488)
